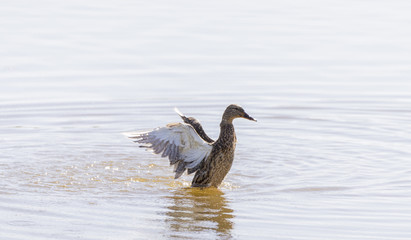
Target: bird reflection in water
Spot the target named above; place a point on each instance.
(195, 211)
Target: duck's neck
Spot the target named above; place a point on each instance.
(227, 134)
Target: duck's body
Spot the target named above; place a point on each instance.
(213, 170)
(188, 147)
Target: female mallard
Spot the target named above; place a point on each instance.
(188, 147)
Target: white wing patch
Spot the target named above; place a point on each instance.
(179, 142)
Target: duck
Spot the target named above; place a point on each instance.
(189, 149)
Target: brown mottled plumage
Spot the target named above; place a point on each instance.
(189, 147)
(213, 170)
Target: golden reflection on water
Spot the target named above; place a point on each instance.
(196, 211)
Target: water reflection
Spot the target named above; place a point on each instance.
(195, 211)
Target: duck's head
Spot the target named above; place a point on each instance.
(235, 111)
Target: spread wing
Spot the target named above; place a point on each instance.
(196, 125)
(179, 142)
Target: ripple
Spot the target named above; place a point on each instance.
(316, 189)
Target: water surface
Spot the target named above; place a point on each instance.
(329, 83)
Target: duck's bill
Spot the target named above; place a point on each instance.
(246, 116)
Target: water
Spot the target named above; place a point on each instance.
(329, 83)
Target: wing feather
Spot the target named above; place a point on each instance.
(179, 142)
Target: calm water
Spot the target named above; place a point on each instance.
(328, 81)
